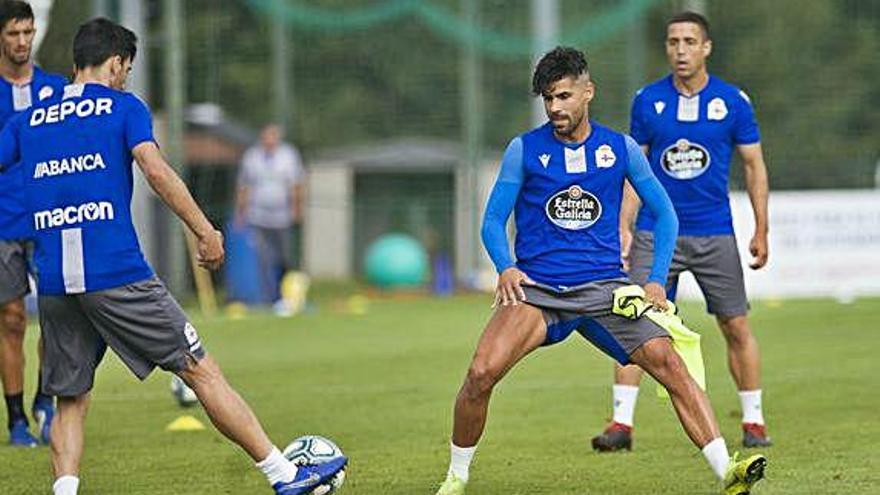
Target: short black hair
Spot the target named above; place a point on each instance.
(14, 10)
(559, 63)
(688, 16)
(100, 39)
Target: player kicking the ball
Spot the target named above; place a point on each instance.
(95, 288)
(565, 182)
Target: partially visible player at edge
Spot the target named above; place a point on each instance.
(22, 84)
(565, 182)
(689, 123)
(95, 288)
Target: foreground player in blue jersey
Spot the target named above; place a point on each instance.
(689, 123)
(95, 288)
(22, 84)
(564, 180)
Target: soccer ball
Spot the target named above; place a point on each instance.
(184, 395)
(314, 449)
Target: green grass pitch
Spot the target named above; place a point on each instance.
(382, 385)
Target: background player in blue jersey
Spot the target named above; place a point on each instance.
(565, 182)
(95, 288)
(22, 84)
(689, 124)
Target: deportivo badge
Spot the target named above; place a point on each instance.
(605, 156)
(573, 208)
(45, 92)
(685, 160)
(717, 109)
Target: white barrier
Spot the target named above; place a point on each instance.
(822, 244)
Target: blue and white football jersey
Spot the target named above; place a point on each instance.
(568, 208)
(13, 99)
(690, 141)
(75, 155)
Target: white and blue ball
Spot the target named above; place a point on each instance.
(314, 449)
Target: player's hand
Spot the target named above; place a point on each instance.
(655, 294)
(211, 253)
(509, 290)
(759, 247)
(626, 239)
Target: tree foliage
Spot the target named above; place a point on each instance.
(810, 68)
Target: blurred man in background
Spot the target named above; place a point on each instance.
(270, 201)
(22, 84)
(689, 123)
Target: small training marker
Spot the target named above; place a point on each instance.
(185, 423)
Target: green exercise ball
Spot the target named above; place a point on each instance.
(396, 260)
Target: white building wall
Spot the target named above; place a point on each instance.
(328, 229)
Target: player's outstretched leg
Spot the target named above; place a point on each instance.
(618, 434)
(744, 361)
(12, 329)
(511, 334)
(231, 415)
(692, 406)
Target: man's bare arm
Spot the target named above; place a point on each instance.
(758, 188)
(168, 186)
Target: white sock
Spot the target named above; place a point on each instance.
(277, 468)
(460, 460)
(66, 485)
(624, 403)
(716, 454)
(750, 400)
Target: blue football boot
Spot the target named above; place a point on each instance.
(310, 477)
(44, 411)
(19, 436)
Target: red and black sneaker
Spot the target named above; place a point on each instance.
(617, 436)
(755, 435)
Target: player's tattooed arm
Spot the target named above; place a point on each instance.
(168, 185)
(758, 187)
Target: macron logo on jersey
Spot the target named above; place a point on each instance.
(58, 112)
(72, 215)
(72, 165)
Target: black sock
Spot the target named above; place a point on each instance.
(40, 397)
(15, 408)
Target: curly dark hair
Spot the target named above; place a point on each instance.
(561, 62)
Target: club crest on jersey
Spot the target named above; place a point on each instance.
(716, 110)
(45, 92)
(685, 160)
(545, 159)
(573, 208)
(605, 156)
